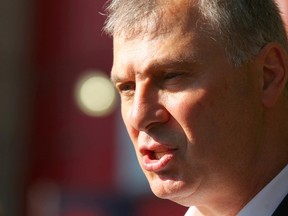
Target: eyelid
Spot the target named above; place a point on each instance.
(173, 74)
(125, 87)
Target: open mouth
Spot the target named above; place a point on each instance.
(157, 155)
(157, 161)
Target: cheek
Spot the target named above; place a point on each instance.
(193, 111)
(219, 123)
(204, 119)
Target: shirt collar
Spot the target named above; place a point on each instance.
(276, 190)
(268, 199)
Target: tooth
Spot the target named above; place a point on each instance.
(159, 155)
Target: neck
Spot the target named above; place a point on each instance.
(271, 158)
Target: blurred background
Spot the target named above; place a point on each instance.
(63, 148)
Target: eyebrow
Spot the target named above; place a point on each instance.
(171, 64)
(161, 65)
(114, 78)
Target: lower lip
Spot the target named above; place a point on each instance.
(154, 165)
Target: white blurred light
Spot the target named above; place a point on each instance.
(95, 94)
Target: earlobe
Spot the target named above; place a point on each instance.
(274, 72)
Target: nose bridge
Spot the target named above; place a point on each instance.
(146, 107)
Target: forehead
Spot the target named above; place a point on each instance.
(178, 42)
(166, 52)
(175, 45)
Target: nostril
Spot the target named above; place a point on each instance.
(145, 120)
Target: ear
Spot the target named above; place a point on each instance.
(274, 68)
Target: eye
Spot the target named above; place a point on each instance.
(126, 88)
(173, 80)
(172, 75)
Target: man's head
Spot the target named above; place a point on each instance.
(243, 26)
(202, 98)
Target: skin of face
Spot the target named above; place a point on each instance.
(283, 6)
(194, 119)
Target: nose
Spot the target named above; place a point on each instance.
(148, 109)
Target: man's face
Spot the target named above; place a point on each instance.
(192, 116)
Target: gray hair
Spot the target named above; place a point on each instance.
(244, 26)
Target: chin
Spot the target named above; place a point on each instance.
(175, 190)
(167, 189)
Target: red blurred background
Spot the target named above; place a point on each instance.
(56, 160)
